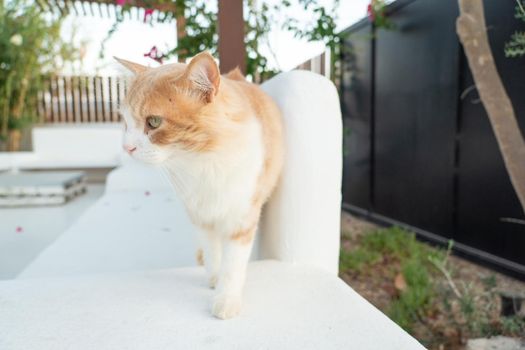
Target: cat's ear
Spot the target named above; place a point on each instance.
(135, 68)
(204, 75)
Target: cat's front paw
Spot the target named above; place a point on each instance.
(226, 306)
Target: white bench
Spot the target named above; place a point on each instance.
(287, 306)
(114, 281)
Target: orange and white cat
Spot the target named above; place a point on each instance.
(219, 138)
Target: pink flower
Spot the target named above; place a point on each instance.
(147, 193)
(154, 54)
(147, 13)
(371, 13)
(19, 229)
(121, 2)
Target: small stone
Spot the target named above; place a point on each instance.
(496, 343)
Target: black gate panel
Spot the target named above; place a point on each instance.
(356, 104)
(415, 116)
(419, 147)
(486, 198)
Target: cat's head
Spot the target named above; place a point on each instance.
(166, 108)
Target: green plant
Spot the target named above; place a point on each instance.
(441, 263)
(514, 325)
(476, 313)
(424, 289)
(260, 17)
(30, 46)
(322, 27)
(489, 282)
(413, 302)
(407, 259)
(394, 242)
(397, 242)
(357, 259)
(516, 46)
(377, 14)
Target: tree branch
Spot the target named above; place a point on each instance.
(472, 32)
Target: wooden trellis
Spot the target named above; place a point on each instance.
(106, 9)
(81, 99)
(87, 99)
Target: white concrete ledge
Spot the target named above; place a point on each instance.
(286, 307)
(123, 231)
(63, 146)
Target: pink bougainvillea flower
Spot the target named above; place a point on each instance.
(370, 12)
(121, 2)
(19, 229)
(154, 54)
(147, 14)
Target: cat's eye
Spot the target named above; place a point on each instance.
(153, 121)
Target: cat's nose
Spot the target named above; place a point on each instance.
(130, 149)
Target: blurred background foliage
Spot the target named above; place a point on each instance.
(260, 16)
(30, 47)
(516, 46)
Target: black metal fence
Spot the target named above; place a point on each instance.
(419, 148)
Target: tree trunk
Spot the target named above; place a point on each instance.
(13, 141)
(181, 29)
(472, 32)
(232, 50)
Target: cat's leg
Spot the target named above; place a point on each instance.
(211, 247)
(232, 275)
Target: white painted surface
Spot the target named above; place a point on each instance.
(136, 176)
(286, 307)
(73, 141)
(16, 160)
(69, 146)
(122, 231)
(301, 221)
(40, 227)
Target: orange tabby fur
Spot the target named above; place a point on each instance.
(205, 115)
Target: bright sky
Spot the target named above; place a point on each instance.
(134, 38)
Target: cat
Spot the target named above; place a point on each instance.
(220, 141)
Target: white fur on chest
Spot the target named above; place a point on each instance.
(218, 187)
